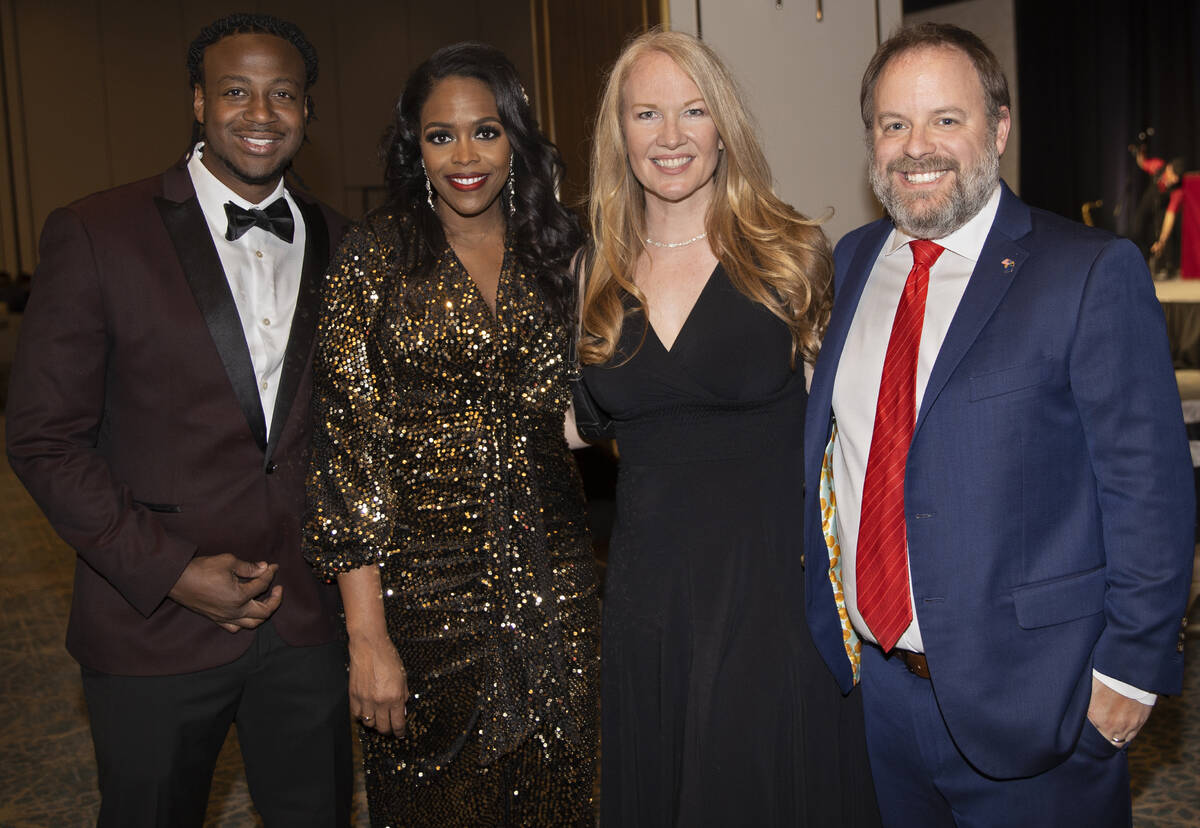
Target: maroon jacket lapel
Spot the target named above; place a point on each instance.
(304, 321)
(185, 224)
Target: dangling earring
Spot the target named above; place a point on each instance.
(512, 188)
(428, 187)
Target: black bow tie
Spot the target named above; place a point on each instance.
(277, 219)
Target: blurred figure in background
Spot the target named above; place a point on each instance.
(1157, 212)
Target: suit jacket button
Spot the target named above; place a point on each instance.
(271, 467)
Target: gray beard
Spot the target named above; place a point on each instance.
(972, 189)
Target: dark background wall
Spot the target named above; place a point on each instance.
(1093, 74)
(94, 93)
(577, 42)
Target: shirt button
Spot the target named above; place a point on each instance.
(258, 253)
(266, 322)
(264, 385)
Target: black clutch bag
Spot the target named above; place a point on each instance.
(593, 424)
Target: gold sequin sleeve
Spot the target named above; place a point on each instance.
(351, 491)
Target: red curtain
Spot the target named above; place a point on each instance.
(1190, 255)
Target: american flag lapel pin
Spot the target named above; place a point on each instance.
(1008, 264)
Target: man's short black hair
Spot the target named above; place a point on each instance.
(250, 24)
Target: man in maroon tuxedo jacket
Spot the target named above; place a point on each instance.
(159, 416)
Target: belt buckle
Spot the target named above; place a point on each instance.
(916, 663)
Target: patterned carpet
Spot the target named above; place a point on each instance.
(48, 775)
(1164, 760)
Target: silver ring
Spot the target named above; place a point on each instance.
(368, 718)
(1116, 740)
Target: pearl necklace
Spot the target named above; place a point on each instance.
(673, 245)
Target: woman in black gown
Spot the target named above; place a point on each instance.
(705, 294)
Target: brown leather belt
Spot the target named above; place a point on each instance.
(915, 662)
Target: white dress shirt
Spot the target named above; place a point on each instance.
(263, 272)
(856, 391)
(856, 386)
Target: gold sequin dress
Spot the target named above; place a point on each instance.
(439, 456)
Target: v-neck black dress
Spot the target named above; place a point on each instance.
(716, 707)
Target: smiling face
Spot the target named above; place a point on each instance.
(934, 159)
(252, 106)
(670, 137)
(464, 147)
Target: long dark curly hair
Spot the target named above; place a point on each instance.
(545, 233)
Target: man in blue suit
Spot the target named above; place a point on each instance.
(1001, 542)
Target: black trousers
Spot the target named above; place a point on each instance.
(157, 737)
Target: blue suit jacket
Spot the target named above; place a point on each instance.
(1048, 493)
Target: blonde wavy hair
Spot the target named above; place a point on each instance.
(772, 254)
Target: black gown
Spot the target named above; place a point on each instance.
(717, 709)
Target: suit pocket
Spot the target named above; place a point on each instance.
(1093, 743)
(168, 508)
(1060, 600)
(1007, 380)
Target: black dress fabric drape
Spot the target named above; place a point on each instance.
(717, 709)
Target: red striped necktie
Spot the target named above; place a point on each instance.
(881, 560)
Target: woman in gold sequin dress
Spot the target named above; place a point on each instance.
(443, 497)
(705, 296)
